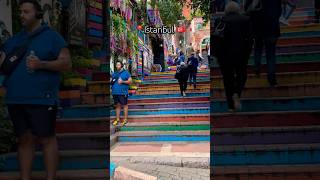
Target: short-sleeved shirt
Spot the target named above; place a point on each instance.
(121, 89)
(40, 87)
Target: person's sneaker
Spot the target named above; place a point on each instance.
(184, 94)
(231, 110)
(237, 103)
(284, 21)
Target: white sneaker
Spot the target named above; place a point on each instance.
(284, 21)
(237, 102)
(184, 94)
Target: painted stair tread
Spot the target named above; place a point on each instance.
(170, 100)
(289, 67)
(172, 127)
(277, 155)
(280, 91)
(94, 174)
(265, 119)
(266, 148)
(167, 133)
(175, 86)
(79, 159)
(273, 169)
(169, 105)
(160, 92)
(271, 104)
(168, 96)
(168, 118)
(167, 111)
(282, 78)
(264, 137)
(200, 149)
(172, 81)
(266, 129)
(148, 124)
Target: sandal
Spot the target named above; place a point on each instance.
(124, 122)
(115, 122)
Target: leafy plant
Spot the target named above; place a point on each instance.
(170, 11)
(7, 136)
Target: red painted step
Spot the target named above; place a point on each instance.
(289, 67)
(82, 125)
(265, 119)
(169, 100)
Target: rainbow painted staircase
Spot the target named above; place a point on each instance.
(163, 126)
(277, 133)
(82, 130)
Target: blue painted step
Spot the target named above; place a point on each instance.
(68, 161)
(166, 111)
(84, 112)
(162, 96)
(277, 156)
(279, 104)
(260, 136)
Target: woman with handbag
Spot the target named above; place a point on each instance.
(182, 76)
(233, 53)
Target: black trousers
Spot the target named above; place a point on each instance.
(183, 86)
(234, 79)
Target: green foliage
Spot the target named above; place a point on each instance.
(117, 24)
(170, 11)
(79, 56)
(7, 136)
(201, 8)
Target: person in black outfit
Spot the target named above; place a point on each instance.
(182, 76)
(233, 53)
(266, 31)
(193, 64)
(317, 10)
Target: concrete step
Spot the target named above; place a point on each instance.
(280, 91)
(86, 174)
(284, 79)
(172, 154)
(265, 119)
(271, 104)
(266, 135)
(283, 154)
(288, 172)
(69, 160)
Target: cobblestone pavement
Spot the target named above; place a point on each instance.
(163, 172)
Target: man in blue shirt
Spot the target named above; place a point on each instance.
(193, 64)
(120, 90)
(32, 88)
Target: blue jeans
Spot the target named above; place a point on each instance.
(270, 46)
(193, 77)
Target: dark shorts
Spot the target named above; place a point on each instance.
(39, 119)
(120, 99)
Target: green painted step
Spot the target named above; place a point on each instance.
(168, 128)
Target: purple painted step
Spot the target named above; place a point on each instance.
(173, 105)
(263, 136)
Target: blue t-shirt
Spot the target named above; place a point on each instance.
(122, 89)
(41, 86)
